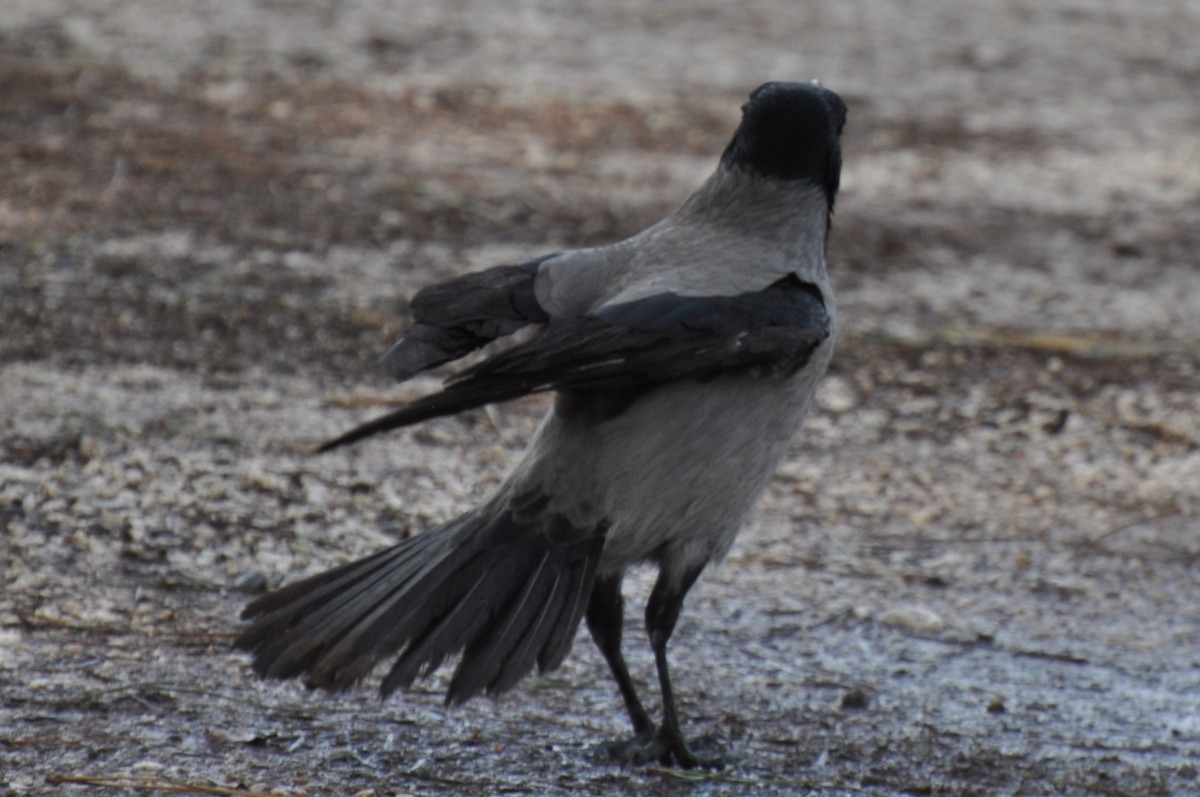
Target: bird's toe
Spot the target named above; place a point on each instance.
(662, 747)
(700, 752)
(638, 750)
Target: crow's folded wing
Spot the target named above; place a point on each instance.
(636, 345)
(456, 317)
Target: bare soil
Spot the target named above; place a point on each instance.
(976, 574)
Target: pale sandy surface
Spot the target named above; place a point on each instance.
(211, 212)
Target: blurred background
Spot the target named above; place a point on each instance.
(978, 570)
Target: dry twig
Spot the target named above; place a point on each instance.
(151, 784)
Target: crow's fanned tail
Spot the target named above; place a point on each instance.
(504, 592)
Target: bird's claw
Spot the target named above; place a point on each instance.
(668, 749)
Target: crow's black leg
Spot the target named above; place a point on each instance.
(605, 619)
(662, 612)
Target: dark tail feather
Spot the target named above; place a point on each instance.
(463, 620)
(295, 625)
(296, 629)
(500, 592)
(545, 642)
(562, 631)
(489, 654)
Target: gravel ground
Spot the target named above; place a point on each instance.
(976, 574)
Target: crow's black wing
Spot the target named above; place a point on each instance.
(635, 345)
(453, 318)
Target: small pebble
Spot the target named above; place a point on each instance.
(917, 619)
(836, 395)
(856, 699)
(253, 583)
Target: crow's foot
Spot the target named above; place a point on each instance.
(667, 749)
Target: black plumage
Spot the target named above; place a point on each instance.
(515, 589)
(454, 318)
(631, 346)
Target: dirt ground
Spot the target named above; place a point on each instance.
(976, 574)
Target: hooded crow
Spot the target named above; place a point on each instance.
(682, 362)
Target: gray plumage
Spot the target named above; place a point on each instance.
(683, 361)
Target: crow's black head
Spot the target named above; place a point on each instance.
(790, 131)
